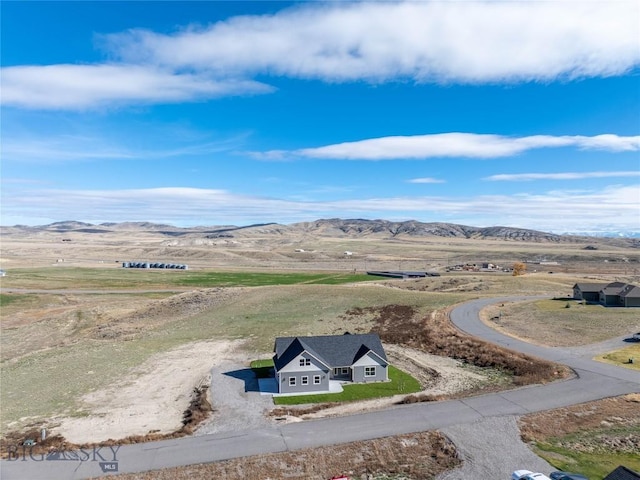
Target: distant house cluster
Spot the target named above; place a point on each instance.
(308, 364)
(615, 294)
(477, 267)
(175, 266)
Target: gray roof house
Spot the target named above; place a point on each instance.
(623, 473)
(307, 364)
(614, 294)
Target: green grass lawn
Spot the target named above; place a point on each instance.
(621, 357)
(16, 300)
(262, 368)
(104, 278)
(399, 383)
(593, 465)
(256, 279)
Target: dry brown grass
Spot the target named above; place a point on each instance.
(418, 456)
(623, 411)
(436, 335)
(561, 322)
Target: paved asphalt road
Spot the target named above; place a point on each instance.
(594, 381)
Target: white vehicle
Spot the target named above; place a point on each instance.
(528, 475)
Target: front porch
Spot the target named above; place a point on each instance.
(269, 386)
(342, 374)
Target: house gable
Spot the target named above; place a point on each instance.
(369, 357)
(304, 362)
(290, 349)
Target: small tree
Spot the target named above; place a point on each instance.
(519, 268)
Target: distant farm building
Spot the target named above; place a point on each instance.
(402, 274)
(171, 266)
(614, 294)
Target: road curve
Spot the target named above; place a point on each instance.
(593, 381)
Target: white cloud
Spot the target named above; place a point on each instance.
(432, 41)
(425, 180)
(614, 206)
(79, 87)
(470, 145)
(524, 177)
(469, 42)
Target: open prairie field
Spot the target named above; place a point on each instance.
(282, 248)
(82, 336)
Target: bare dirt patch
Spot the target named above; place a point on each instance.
(151, 398)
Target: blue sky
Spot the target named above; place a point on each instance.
(524, 114)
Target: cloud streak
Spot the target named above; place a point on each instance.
(468, 145)
(425, 180)
(525, 177)
(81, 87)
(425, 42)
(614, 206)
(85, 148)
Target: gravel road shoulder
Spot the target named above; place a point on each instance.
(236, 400)
(491, 448)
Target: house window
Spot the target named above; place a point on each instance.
(305, 362)
(305, 381)
(316, 379)
(336, 371)
(292, 381)
(369, 371)
(345, 370)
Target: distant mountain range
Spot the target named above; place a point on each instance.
(335, 227)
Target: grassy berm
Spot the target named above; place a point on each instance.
(436, 335)
(591, 438)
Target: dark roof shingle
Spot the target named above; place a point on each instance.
(333, 350)
(622, 473)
